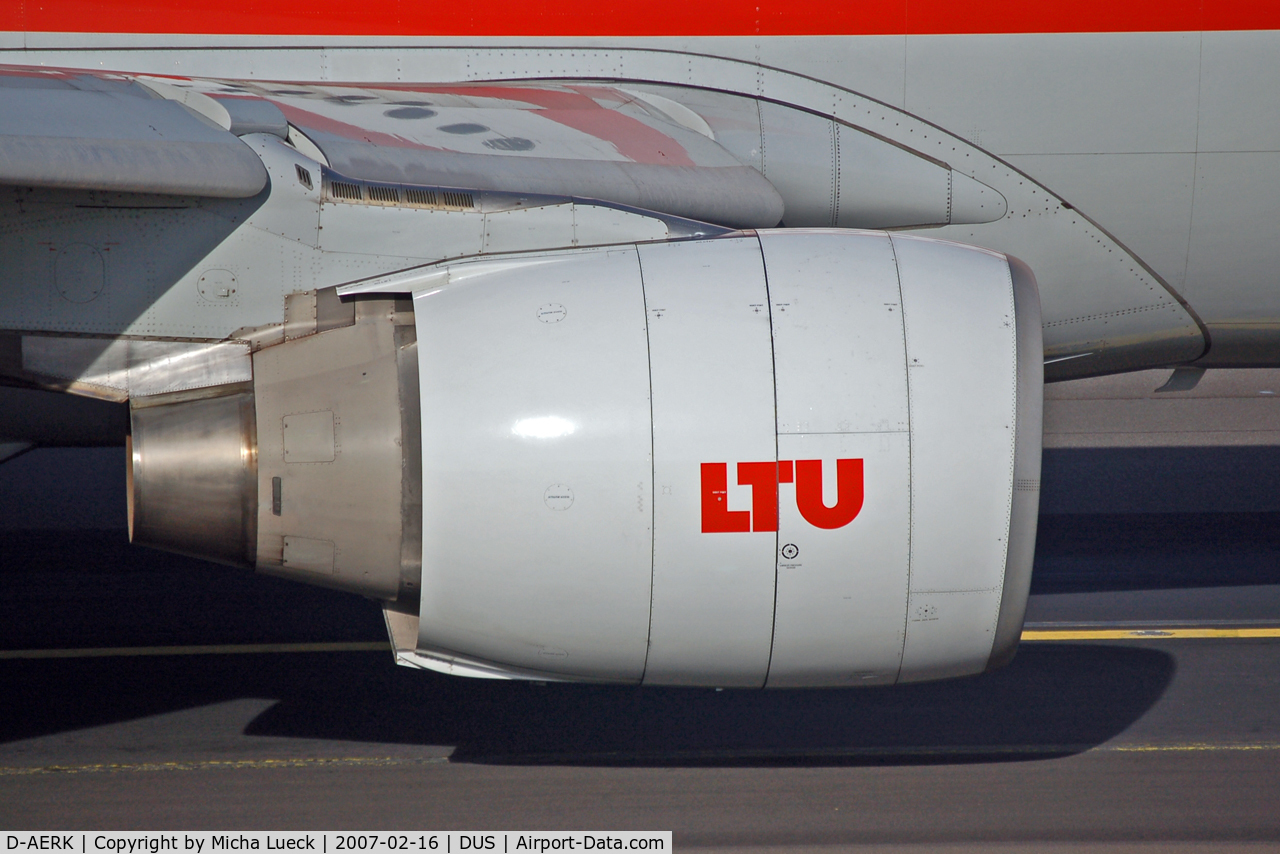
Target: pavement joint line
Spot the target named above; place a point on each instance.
(887, 752)
(1192, 747)
(1038, 634)
(879, 752)
(218, 764)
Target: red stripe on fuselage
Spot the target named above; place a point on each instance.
(634, 17)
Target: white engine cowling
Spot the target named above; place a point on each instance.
(793, 458)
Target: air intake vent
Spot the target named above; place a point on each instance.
(384, 194)
(348, 190)
(459, 200)
(304, 176)
(343, 190)
(421, 197)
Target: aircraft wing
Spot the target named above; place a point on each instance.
(80, 130)
(107, 132)
(592, 141)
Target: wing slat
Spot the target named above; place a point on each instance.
(121, 140)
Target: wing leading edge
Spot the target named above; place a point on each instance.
(100, 132)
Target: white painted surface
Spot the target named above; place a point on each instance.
(949, 634)
(799, 158)
(883, 186)
(673, 110)
(197, 101)
(842, 598)
(1143, 200)
(839, 357)
(961, 357)
(1064, 93)
(1239, 82)
(538, 499)
(973, 202)
(567, 225)
(734, 120)
(962, 368)
(837, 332)
(712, 373)
(594, 225)
(293, 211)
(517, 230)
(509, 576)
(398, 236)
(1233, 263)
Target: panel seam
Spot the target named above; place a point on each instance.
(1013, 456)
(911, 497)
(653, 468)
(773, 360)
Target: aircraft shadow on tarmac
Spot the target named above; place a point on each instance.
(1155, 551)
(1158, 518)
(89, 589)
(1052, 700)
(1055, 699)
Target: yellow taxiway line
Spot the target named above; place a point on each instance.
(1148, 633)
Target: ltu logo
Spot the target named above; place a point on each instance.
(763, 478)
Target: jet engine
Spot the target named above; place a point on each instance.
(781, 459)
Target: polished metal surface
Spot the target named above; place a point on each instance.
(193, 475)
(332, 412)
(406, 340)
(318, 433)
(129, 367)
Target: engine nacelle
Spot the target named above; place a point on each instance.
(793, 458)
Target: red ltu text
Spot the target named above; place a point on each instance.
(763, 478)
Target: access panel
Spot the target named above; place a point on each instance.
(713, 428)
(537, 541)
